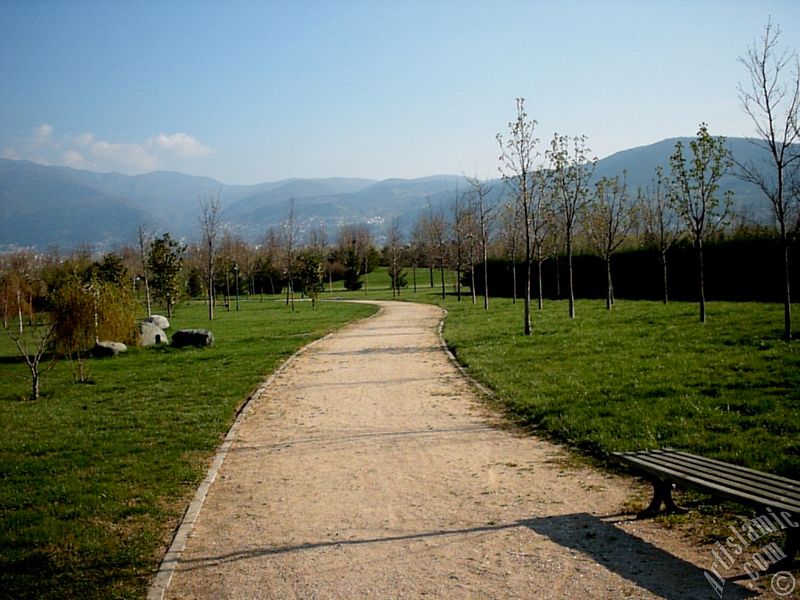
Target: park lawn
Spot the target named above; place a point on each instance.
(94, 477)
(643, 375)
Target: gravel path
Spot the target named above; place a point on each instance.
(368, 468)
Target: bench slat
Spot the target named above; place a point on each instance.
(731, 476)
(758, 475)
(649, 462)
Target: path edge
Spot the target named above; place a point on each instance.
(452, 357)
(169, 563)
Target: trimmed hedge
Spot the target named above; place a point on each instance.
(740, 269)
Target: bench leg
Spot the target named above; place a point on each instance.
(790, 549)
(662, 494)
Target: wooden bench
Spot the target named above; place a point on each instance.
(762, 491)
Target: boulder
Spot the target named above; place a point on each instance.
(192, 337)
(108, 349)
(151, 335)
(159, 321)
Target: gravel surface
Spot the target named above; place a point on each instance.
(369, 468)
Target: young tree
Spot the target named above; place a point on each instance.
(484, 211)
(610, 218)
(394, 255)
(289, 238)
(459, 229)
(210, 224)
(34, 340)
(143, 240)
(111, 269)
(772, 101)
(694, 187)
(165, 261)
(571, 169)
(526, 181)
(510, 231)
(309, 273)
(660, 222)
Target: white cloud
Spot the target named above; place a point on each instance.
(42, 133)
(181, 144)
(86, 151)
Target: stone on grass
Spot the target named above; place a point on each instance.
(108, 349)
(151, 335)
(159, 321)
(192, 337)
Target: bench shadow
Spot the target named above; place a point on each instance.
(631, 557)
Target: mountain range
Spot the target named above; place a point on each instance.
(42, 206)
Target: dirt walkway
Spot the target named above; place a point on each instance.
(369, 469)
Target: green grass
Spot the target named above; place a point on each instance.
(94, 477)
(643, 375)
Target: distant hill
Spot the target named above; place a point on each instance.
(44, 205)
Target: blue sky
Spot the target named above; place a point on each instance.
(247, 92)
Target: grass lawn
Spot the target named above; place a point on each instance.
(643, 375)
(94, 477)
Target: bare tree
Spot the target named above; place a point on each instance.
(660, 222)
(33, 340)
(394, 255)
(609, 220)
(437, 236)
(289, 240)
(571, 169)
(485, 214)
(694, 194)
(459, 229)
(526, 181)
(143, 240)
(510, 229)
(772, 101)
(210, 225)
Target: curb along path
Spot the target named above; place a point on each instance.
(368, 468)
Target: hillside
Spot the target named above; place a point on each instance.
(44, 205)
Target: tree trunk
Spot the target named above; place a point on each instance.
(211, 297)
(443, 290)
(701, 281)
(610, 286)
(539, 277)
(472, 282)
(34, 382)
(414, 276)
(485, 278)
(664, 271)
(570, 289)
(528, 269)
(787, 297)
(431, 272)
(558, 277)
(513, 278)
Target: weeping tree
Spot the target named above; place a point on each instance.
(84, 312)
(695, 194)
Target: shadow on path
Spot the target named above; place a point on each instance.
(630, 557)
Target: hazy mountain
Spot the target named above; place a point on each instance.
(43, 205)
